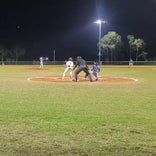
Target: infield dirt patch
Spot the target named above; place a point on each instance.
(102, 79)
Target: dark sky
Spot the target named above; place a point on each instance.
(67, 26)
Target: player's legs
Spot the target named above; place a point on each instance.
(96, 75)
(41, 64)
(78, 70)
(88, 74)
(71, 74)
(64, 73)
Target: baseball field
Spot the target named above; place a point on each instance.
(43, 115)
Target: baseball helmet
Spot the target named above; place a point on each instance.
(95, 63)
(78, 57)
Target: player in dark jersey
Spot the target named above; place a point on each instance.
(81, 66)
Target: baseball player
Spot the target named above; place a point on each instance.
(69, 67)
(131, 62)
(95, 70)
(41, 62)
(81, 66)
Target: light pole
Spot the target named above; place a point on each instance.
(99, 22)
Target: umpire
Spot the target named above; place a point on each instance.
(81, 66)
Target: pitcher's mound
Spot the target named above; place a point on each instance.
(102, 79)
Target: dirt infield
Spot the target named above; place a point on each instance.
(102, 79)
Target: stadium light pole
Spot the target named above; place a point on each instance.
(100, 22)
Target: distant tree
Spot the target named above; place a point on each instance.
(3, 53)
(131, 44)
(16, 52)
(139, 45)
(112, 43)
(143, 55)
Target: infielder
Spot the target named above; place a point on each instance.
(131, 62)
(69, 67)
(41, 62)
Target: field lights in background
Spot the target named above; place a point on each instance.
(100, 22)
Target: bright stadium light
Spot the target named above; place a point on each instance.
(99, 22)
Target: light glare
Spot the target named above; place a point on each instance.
(100, 21)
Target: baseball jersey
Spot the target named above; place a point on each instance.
(41, 59)
(70, 64)
(81, 62)
(95, 68)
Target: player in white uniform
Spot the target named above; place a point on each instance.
(41, 62)
(69, 67)
(131, 62)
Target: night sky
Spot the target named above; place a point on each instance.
(40, 26)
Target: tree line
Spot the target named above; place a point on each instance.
(11, 54)
(112, 44)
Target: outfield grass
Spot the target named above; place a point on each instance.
(43, 118)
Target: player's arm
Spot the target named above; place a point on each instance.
(76, 64)
(87, 67)
(74, 67)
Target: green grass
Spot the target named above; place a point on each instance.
(42, 118)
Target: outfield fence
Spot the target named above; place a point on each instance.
(63, 62)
